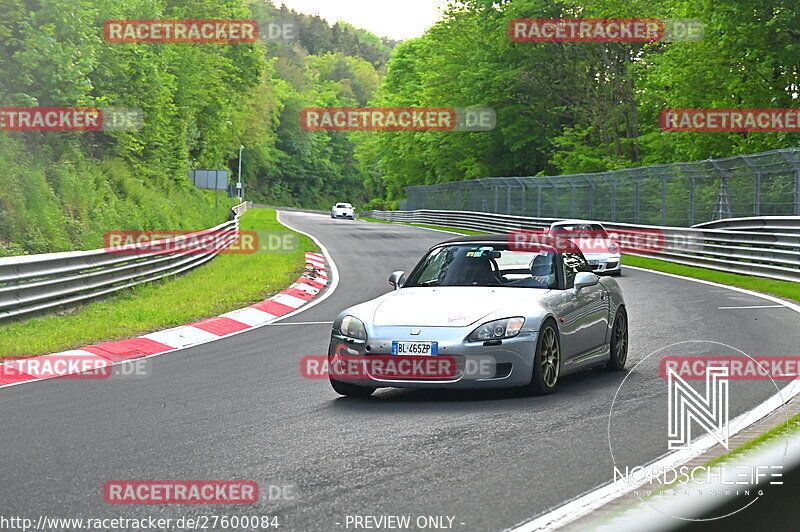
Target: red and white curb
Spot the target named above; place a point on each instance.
(98, 356)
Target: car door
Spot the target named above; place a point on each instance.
(587, 315)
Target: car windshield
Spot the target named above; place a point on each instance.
(579, 229)
(343, 206)
(485, 265)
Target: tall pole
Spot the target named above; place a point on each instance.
(239, 182)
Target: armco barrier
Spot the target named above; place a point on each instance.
(34, 284)
(748, 252)
(772, 224)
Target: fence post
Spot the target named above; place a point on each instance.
(614, 201)
(574, 201)
(555, 201)
(788, 155)
(663, 200)
(539, 202)
(797, 192)
(757, 195)
(756, 185)
(724, 208)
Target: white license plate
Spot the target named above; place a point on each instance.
(415, 348)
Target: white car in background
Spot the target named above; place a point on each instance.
(343, 210)
(600, 248)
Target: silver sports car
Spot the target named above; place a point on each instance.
(477, 312)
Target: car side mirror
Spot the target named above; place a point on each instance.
(584, 279)
(396, 279)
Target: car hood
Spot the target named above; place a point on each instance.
(450, 306)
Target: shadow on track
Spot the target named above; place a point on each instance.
(404, 400)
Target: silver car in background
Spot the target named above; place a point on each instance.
(536, 315)
(600, 248)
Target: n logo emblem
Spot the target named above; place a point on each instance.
(685, 405)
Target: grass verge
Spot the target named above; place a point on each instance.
(226, 283)
(785, 289)
(790, 428)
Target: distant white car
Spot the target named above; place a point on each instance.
(343, 210)
(601, 249)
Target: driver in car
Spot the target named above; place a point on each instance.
(477, 272)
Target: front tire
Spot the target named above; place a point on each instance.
(351, 390)
(619, 342)
(546, 361)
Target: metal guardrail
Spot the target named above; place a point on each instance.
(33, 284)
(240, 209)
(772, 224)
(751, 252)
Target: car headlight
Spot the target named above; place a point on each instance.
(497, 330)
(613, 248)
(353, 327)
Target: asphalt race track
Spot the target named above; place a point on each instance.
(238, 408)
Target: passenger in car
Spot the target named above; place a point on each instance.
(543, 270)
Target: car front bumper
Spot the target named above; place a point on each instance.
(506, 365)
(604, 263)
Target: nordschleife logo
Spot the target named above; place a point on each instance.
(685, 404)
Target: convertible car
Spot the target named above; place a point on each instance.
(528, 316)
